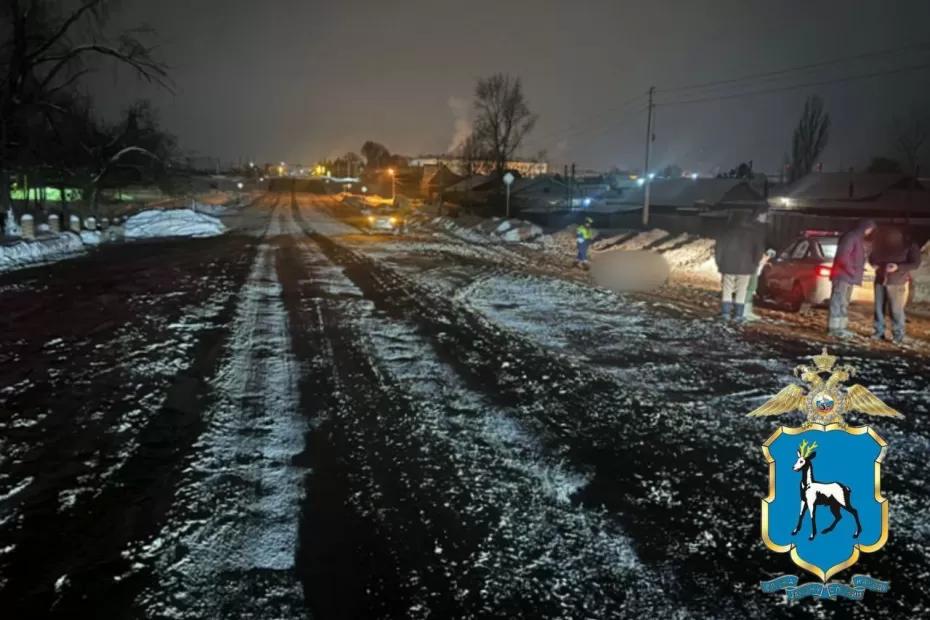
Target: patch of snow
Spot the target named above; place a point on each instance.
(28, 253)
(91, 237)
(207, 208)
(172, 223)
(16, 490)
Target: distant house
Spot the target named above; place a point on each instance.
(525, 167)
(534, 192)
(855, 194)
(686, 195)
(477, 183)
(438, 179)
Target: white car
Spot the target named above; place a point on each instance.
(384, 220)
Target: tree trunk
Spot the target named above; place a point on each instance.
(6, 205)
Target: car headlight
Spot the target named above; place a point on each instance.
(393, 221)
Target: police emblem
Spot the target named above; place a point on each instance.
(824, 472)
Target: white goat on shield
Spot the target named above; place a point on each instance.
(813, 494)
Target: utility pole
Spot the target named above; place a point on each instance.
(571, 188)
(649, 139)
(565, 180)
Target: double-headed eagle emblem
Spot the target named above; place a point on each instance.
(824, 402)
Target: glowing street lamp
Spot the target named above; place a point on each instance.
(393, 184)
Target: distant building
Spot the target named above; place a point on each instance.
(526, 167)
(697, 195)
(855, 194)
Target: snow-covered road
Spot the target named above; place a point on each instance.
(306, 421)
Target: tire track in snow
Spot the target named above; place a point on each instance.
(228, 548)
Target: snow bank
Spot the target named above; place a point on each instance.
(26, 253)
(91, 237)
(207, 208)
(173, 223)
(694, 255)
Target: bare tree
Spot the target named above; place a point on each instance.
(910, 134)
(136, 140)
(376, 155)
(503, 117)
(810, 138)
(472, 154)
(46, 50)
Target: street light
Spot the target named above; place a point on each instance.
(393, 184)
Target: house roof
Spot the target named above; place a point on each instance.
(471, 183)
(529, 185)
(846, 186)
(443, 177)
(689, 192)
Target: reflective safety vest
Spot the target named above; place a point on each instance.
(584, 234)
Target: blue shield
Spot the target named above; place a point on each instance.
(840, 480)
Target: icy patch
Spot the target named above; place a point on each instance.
(172, 223)
(28, 253)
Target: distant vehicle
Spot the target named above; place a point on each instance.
(383, 220)
(800, 274)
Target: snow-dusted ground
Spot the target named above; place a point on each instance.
(172, 223)
(534, 542)
(667, 403)
(417, 426)
(228, 546)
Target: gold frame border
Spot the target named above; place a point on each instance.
(883, 502)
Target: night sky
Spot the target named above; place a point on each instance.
(299, 80)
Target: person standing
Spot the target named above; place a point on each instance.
(848, 267)
(894, 259)
(754, 285)
(737, 253)
(583, 236)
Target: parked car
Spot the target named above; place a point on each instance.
(800, 273)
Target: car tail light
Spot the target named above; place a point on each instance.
(823, 271)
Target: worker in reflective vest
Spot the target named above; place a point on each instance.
(583, 237)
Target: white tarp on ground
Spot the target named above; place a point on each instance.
(25, 253)
(172, 223)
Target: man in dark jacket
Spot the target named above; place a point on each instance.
(737, 253)
(894, 259)
(848, 266)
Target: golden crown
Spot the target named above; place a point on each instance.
(824, 361)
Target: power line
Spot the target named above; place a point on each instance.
(851, 78)
(767, 74)
(571, 129)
